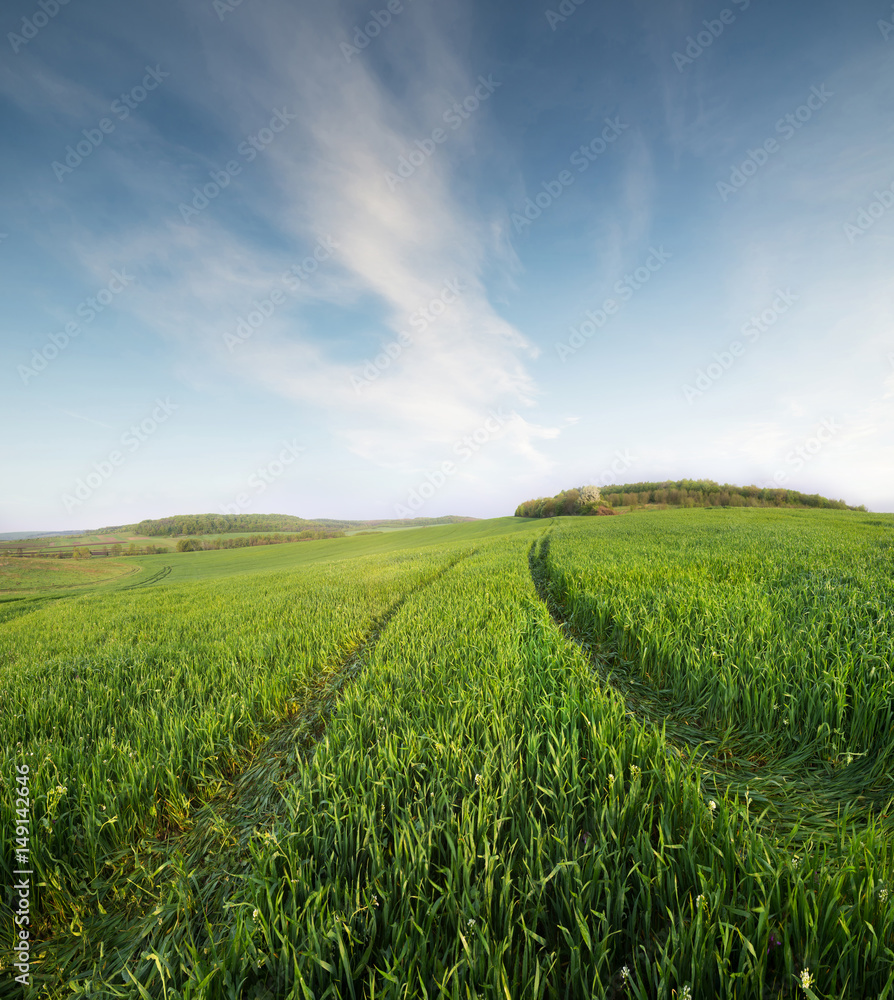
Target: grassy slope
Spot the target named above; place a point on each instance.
(35, 574)
(191, 566)
(366, 863)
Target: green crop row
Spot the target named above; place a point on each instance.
(778, 623)
(127, 706)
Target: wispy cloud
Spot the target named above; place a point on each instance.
(397, 248)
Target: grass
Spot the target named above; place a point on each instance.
(36, 574)
(500, 759)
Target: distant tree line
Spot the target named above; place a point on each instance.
(684, 493)
(84, 552)
(220, 524)
(225, 524)
(244, 541)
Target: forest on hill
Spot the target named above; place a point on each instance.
(589, 500)
(222, 524)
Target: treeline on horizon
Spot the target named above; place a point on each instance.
(224, 524)
(684, 493)
(245, 541)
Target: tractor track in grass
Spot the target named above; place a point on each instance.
(159, 574)
(292, 742)
(789, 794)
(208, 857)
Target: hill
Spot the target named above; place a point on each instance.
(15, 536)
(588, 500)
(223, 524)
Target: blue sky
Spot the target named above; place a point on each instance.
(429, 258)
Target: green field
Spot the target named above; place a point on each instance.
(53, 574)
(100, 542)
(641, 756)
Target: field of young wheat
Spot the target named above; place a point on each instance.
(647, 756)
